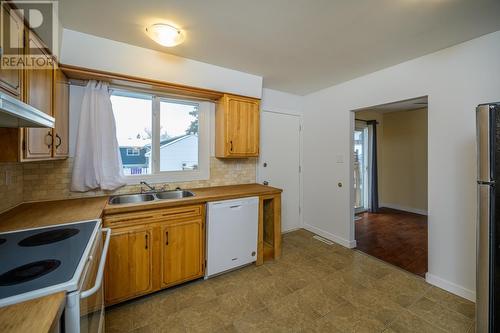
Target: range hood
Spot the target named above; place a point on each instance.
(14, 113)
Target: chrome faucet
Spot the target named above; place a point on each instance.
(151, 188)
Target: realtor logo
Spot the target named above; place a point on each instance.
(38, 20)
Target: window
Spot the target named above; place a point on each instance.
(133, 151)
(179, 136)
(161, 139)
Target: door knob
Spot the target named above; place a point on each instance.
(265, 182)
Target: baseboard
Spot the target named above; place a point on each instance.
(329, 236)
(451, 287)
(403, 208)
(290, 230)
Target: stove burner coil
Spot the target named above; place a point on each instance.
(48, 237)
(28, 272)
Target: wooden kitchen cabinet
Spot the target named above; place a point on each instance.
(269, 238)
(11, 80)
(182, 254)
(129, 264)
(39, 94)
(46, 90)
(61, 114)
(153, 249)
(237, 127)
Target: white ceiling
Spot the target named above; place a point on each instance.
(298, 46)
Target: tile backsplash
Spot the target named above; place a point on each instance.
(11, 185)
(51, 180)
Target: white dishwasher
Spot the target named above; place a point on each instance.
(232, 227)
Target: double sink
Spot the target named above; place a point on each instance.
(145, 197)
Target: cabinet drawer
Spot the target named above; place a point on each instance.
(153, 215)
(129, 218)
(180, 212)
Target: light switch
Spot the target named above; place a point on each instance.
(340, 158)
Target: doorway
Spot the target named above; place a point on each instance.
(279, 162)
(390, 183)
(361, 165)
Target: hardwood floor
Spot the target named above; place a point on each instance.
(396, 237)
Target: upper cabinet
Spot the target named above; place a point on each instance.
(39, 94)
(61, 108)
(46, 89)
(237, 127)
(11, 80)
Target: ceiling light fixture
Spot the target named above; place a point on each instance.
(165, 34)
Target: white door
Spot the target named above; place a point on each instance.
(279, 162)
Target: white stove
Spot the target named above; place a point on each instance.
(69, 257)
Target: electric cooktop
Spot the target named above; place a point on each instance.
(40, 258)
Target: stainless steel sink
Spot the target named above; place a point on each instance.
(130, 198)
(177, 194)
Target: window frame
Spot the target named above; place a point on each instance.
(157, 176)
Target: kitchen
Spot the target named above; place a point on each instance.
(158, 159)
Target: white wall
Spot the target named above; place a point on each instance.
(278, 101)
(456, 80)
(80, 49)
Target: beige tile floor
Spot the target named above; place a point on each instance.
(314, 287)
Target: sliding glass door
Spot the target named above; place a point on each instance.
(361, 163)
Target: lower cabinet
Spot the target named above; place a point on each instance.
(153, 249)
(182, 254)
(129, 264)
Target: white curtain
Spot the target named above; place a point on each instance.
(97, 161)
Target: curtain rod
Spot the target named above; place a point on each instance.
(83, 83)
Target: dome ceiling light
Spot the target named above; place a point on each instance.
(165, 34)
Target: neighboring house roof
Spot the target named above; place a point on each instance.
(135, 143)
(171, 141)
(142, 159)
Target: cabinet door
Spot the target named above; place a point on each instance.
(182, 255)
(61, 113)
(243, 127)
(39, 94)
(11, 80)
(128, 266)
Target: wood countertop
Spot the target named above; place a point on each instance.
(45, 213)
(201, 195)
(39, 315)
(35, 316)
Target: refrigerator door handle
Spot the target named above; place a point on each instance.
(484, 142)
(484, 255)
